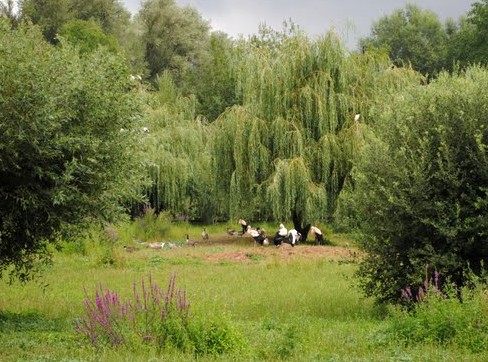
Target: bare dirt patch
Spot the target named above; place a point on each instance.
(243, 249)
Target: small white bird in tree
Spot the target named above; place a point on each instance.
(190, 242)
(204, 234)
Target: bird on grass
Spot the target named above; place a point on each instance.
(129, 249)
(190, 242)
(204, 234)
(156, 245)
(232, 232)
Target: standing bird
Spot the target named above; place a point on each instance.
(294, 237)
(259, 236)
(280, 235)
(190, 242)
(243, 225)
(317, 233)
(204, 234)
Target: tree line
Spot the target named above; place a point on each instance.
(101, 113)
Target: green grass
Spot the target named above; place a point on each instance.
(297, 310)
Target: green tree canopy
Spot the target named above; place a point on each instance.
(421, 194)
(411, 36)
(87, 36)
(63, 158)
(287, 151)
(175, 38)
(111, 15)
(469, 42)
(176, 158)
(213, 81)
(51, 15)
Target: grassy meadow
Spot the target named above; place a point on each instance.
(282, 304)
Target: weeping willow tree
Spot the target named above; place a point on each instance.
(174, 142)
(286, 153)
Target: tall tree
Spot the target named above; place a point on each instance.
(286, 152)
(175, 38)
(51, 15)
(111, 15)
(63, 158)
(411, 36)
(468, 43)
(214, 81)
(176, 158)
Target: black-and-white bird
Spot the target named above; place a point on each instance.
(244, 226)
(204, 234)
(259, 236)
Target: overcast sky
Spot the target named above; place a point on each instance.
(351, 19)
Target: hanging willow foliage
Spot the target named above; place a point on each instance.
(176, 157)
(289, 148)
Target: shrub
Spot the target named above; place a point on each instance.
(421, 190)
(64, 162)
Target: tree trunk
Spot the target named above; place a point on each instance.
(298, 222)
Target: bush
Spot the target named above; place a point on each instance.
(64, 161)
(421, 190)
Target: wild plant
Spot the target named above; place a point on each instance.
(109, 321)
(430, 286)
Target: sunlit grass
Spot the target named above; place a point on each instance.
(287, 309)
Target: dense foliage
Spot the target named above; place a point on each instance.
(417, 37)
(411, 35)
(63, 158)
(262, 128)
(422, 186)
(286, 153)
(174, 37)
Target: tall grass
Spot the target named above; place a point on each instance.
(293, 310)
